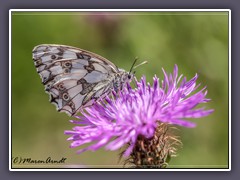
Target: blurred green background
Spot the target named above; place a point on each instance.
(196, 41)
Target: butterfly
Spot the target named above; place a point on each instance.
(75, 78)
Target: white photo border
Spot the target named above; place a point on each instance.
(119, 10)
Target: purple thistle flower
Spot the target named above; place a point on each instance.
(120, 119)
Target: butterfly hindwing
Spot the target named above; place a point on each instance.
(73, 77)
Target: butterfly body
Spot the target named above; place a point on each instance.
(76, 78)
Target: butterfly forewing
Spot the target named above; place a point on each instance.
(74, 78)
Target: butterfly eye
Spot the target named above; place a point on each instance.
(129, 76)
(53, 56)
(38, 62)
(61, 87)
(66, 70)
(67, 64)
(71, 105)
(65, 97)
(48, 87)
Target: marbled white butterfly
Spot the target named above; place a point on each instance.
(75, 78)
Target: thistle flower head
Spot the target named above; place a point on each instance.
(135, 113)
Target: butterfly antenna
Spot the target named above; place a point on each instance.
(144, 62)
(136, 58)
